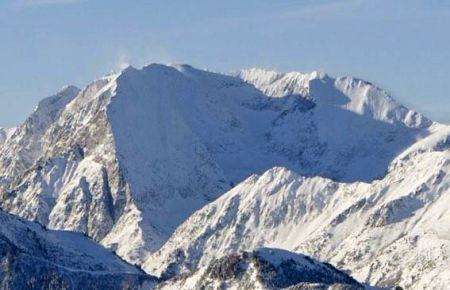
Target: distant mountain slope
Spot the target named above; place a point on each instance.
(389, 232)
(33, 257)
(24, 146)
(131, 156)
(264, 269)
(5, 134)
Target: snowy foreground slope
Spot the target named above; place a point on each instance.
(32, 257)
(131, 156)
(264, 269)
(393, 231)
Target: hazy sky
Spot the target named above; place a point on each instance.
(403, 46)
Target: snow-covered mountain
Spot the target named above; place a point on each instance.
(264, 268)
(132, 156)
(389, 232)
(32, 257)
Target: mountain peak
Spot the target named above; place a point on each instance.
(351, 94)
(70, 89)
(278, 84)
(56, 103)
(137, 147)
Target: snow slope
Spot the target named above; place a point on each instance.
(5, 134)
(23, 147)
(264, 268)
(33, 257)
(389, 232)
(131, 156)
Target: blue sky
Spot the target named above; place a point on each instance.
(401, 45)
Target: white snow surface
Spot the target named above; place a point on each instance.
(389, 232)
(130, 157)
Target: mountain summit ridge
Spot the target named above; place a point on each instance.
(131, 156)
